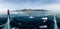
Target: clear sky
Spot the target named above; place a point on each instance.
(33, 4)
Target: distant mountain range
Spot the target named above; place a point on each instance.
(31, 10)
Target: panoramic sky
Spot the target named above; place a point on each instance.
(26, 4)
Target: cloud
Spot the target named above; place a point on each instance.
(13, 6)
(5, 6)
(52, 7)
(47, 5)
